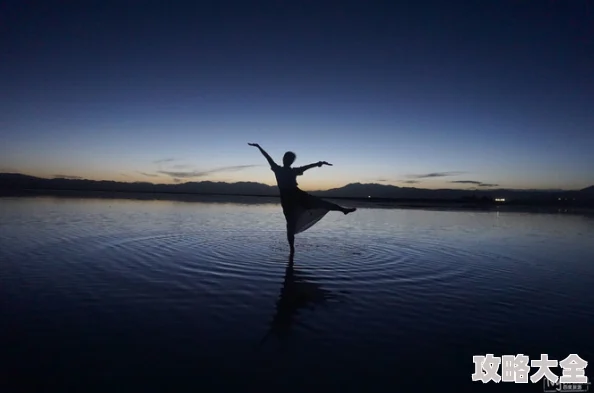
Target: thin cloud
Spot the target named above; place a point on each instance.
(163, 160)
(148, 174)
(466, 182)
(192, 174)
(123, 174)
(434, 174)
(478, 183)
(180, 166)
(234, 168)
(411, 181)
(184, 175)
(382, 180)
(67, 177)
(176, 180)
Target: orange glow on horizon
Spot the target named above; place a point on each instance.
(315, 182)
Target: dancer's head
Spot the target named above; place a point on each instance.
(289, 158)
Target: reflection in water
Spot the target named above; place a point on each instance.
(108, 291)
(296, 293)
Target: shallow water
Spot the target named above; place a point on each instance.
(129, 295)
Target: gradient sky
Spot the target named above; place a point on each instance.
(421, 93)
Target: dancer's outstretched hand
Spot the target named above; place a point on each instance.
(324, 163)
(254, 144)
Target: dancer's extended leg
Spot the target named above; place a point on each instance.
(334, 207)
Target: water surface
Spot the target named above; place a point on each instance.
(132, 295)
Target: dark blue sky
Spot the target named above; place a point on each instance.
(434, 92)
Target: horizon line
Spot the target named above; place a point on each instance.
(79, 178)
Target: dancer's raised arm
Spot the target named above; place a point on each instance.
(268, 158)
(302, 169)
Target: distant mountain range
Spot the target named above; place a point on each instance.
(16, 181)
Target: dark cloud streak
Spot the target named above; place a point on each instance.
(435, 174)
(148, 174)
(478, 183)
(466, 182)
(192, 174)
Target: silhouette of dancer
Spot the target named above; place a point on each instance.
(301, 209)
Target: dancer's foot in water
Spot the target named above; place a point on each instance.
(350, 210)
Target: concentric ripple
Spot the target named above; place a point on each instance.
(261, 256)
(386, 260)
(194, 254)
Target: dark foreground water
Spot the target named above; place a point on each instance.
(137, 296)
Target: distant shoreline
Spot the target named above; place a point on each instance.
(352, 192)
(400, 203)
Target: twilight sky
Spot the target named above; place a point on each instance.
(425, 93)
